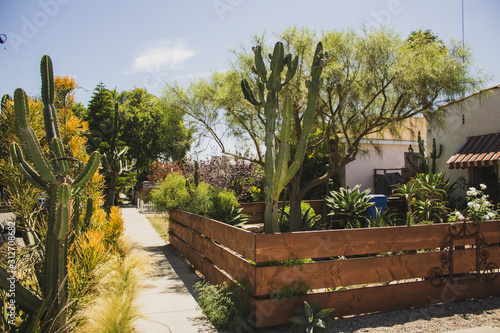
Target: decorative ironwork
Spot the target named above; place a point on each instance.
(458, 233)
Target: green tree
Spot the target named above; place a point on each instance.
(152, 130)
(373, 80)
(99, 116)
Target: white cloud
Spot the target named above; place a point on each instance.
(162, 55)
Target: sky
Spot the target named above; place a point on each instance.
(128, 44)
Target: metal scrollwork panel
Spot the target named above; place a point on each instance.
(484, 269)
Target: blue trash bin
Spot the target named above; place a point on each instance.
(380, 202)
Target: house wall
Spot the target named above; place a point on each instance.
(391, 156)
(473, 115)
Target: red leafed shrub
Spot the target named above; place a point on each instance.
(160, 170)
(221, 172)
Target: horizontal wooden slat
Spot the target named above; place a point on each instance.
(333, 243)
(209, 271)
(348, 272)
(233, 265)
(238, 240)
(381, 298)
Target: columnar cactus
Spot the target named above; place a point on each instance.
(434, 155)
(114, 162)
(53, 176)
(278, 172)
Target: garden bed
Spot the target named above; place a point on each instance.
(382, 268)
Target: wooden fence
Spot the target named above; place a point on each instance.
(382, 268)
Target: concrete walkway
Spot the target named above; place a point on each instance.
(168, 299)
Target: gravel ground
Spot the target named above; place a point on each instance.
(433, 318)
(438, 318)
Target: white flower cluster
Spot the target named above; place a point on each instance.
(479, 208)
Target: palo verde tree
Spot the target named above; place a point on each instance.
(373, 79)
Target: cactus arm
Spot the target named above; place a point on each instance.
(88, 213)
(247, 92)
(50, 113)
(47, 80)
(25, 297)
(30, 174)
(124, 151)
(309, 113)
(88, 171)
(58, 151)
(284, 148)
(292, 69)
(28, 138)
(259, 63)
(63, 211)
(5, 98)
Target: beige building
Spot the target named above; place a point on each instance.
(384, 158)
(469, 132)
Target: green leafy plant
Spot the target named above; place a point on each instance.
(310, 318)
(224, 306)
(288, 290)
(426, 198)
(172, 193)
(308, 218)
(350, 205)
(225, 203)
(175, 192)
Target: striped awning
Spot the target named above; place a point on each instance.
(477, 151)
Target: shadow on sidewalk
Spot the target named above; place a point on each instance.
(183, 271)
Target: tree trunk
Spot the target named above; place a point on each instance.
(110, 200)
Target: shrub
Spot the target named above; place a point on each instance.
(225, 202)
(426, 197)
(175, 192)
(87, 258)
(225, 173)
(114, 228)
(479, 208)
(201, 201)
(172, 193)
(224, 307)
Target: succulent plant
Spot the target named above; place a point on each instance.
(114, 162)
(54, 177)
(278, 170)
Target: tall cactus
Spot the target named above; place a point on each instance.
(114, 162)
(52, 176)
(278, 171)
(422, 155)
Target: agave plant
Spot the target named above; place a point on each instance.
(351, 206)
(310, 318)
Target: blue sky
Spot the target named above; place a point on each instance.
(129, 44)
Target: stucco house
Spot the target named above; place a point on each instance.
(385, 160)
(469, 131)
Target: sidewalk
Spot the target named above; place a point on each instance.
(167, 302)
